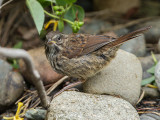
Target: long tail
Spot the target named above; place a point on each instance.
(129, 36)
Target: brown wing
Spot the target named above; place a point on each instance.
(95, 42)
(80, 44)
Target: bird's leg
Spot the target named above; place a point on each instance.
(69, 86)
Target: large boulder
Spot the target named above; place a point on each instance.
(122, 77)
(71, 105)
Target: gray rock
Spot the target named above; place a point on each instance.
(136, 46)
(144, 117)
(121, 77)
(151, 92)
(36, 114)
(11, 87)
(157, 75)
(149, 116)
(71, 105)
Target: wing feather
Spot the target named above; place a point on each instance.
(82, 44)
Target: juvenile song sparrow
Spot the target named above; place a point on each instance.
(83, 55)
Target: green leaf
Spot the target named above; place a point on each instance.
(15, 64)
(18, 45)
(147, 80)
(43, 34)
(37, 13)
(154, 58)
(80, 11)
(151, 70)
(60, 25)
(46, 3)
(71, 13)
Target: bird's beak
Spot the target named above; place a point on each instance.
(51, 42)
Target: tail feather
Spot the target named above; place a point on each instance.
(129, 36)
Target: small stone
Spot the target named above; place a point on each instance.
(151, 92)
(122, 77)
(11, 87)
(149, 116)
(132, 46)
(71, 105)
(36, 114)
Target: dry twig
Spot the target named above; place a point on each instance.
(32, 95)
(6, 3)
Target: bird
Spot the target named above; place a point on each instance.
(83, 55)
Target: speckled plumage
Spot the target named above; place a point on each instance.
(83, 55)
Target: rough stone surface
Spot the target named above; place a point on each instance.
(11, 87)
(41, 63)
(36, 114)
(132, 46)
(122, 77)
(71, 105)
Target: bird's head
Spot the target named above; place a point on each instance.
(55, 42)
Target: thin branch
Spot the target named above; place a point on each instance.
(34, 75)
(6, 3)
(56, 17)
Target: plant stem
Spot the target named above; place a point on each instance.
(54, 16)
(51, 15)
(70, 22)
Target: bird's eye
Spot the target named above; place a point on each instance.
(59, 38)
